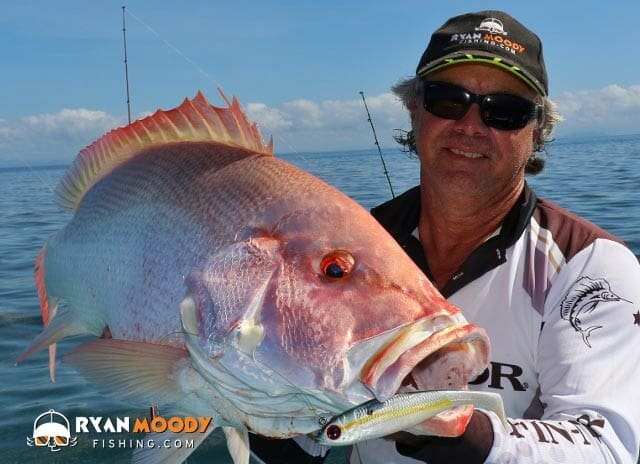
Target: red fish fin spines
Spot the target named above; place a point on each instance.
(194, 120)
(237, 121)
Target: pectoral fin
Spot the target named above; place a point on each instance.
(141, 372)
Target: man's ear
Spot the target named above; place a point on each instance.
(412, 112)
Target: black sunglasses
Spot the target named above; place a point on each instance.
(501, 111)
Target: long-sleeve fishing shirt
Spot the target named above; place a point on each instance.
(560, 300)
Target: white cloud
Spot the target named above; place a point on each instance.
(54, 137)
(305, 125)
(272, 118)
(610, 110)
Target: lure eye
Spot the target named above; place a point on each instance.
(337, 265)
(333, 432)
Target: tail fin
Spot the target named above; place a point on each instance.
(46, 311)
(58, 325)
(587, 333)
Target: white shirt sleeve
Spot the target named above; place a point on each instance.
(587, 364)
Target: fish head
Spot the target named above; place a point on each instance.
(324, 303)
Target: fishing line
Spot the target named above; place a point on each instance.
(33, 171)
(204, 73)
(173, 47)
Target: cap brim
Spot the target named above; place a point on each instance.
(480, 56)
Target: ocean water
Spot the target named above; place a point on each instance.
(597, 178)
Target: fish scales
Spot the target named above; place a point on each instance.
(261, 296)
(130, 218)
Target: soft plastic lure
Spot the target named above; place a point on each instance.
(402, 411)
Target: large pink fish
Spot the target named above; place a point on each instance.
(230, 284)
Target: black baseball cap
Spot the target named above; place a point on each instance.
(487, 37)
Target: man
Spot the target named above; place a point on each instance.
(559, 297)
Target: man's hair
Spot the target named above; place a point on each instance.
(409, 91)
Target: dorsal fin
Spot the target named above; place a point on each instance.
(194, 120)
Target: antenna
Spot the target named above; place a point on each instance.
(375, 138)
(126, 69)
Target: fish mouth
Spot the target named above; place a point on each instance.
(438, 353)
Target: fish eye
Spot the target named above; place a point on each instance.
(333, 432)
(334, 270)
(337, 265)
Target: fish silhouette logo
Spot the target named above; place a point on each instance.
(585, 297)
(52, 429)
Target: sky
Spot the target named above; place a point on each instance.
(296, 66)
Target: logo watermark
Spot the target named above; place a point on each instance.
(53, 430)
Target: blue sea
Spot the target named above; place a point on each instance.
(598, 178)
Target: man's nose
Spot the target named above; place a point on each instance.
(471, 123)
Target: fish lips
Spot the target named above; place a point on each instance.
(437, 353)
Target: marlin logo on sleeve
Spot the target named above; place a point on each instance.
(582, 299)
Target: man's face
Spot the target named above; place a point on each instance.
(465, 157)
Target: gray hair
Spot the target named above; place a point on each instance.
(409, 91)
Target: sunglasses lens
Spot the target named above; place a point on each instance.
(499, 111)
(446, 101)
(507, 112)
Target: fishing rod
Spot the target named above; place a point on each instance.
(375, 138)
(126, 69)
